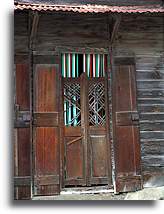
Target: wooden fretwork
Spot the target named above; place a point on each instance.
(87, 146)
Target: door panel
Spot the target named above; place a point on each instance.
(74, 161)
(73, 137)
(98, 156)
(22, 86)
(126, 127)
(46, 129)
(46, 149)
(98, 119)
(45, 89)
(74, 157)
(22, 145)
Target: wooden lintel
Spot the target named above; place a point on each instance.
(34, 28)
(115, 28)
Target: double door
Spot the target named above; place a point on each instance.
(86, 160)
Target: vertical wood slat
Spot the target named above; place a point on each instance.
(85, 125)
(22, 169)
(108, 131)
(61, 134)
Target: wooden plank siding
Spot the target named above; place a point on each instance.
(83, 31)
(21, 32)
(140, 36)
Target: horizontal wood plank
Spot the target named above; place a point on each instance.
(46, 119)
(22, 181)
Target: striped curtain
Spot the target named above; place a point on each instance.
(94, 64)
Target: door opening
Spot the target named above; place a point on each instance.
(86, 158)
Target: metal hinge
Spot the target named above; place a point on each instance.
(135, 116)
(22, 118)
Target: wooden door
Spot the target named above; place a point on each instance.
(86, 135)
(22, 147)
(46, 131)
(126, 127)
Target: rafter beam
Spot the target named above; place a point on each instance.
(34, 28)
(115, 28)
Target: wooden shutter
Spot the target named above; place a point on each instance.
(126, 127)
(22, 179)
(46, 129)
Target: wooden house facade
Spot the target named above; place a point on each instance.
(89, 95)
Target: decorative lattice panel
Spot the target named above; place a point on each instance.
(96, 95)
(72, 108)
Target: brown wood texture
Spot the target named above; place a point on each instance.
(22, 134)
(126, 134)
(46, 130)
(22, 87)
(48, 119)
(34, 25)
(85, 126)
(74, 151)
(74, 159)
(99, 147)
(21, 32)
(87, 147)
(86, 28)
(99, 156)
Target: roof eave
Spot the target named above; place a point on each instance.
(90, 8)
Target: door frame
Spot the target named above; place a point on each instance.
(108, 126)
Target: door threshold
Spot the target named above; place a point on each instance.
(86, 190)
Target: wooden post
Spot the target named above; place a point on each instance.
(34, 28)
(85, 125)
(108, 141)
(115, 29)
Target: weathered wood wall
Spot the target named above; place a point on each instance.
(140, 36)
(56, 30)
(143, 37)
(21, 32)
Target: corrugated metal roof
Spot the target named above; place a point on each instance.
(90, 8)
(94, 2)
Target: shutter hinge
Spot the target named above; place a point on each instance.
(22, 118)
